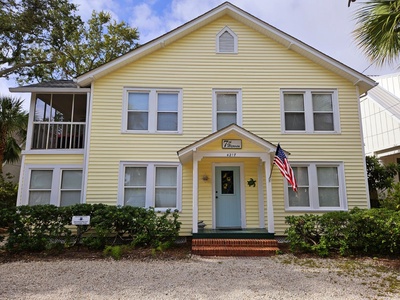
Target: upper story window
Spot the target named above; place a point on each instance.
(227, 107)
(152, 111)
(310, 111)
(59, 121)
(321, 186)
(226, 41)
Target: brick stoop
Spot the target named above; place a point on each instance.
(234, 247)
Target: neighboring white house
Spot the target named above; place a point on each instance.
(380, 111)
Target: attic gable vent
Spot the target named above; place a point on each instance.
(226, 41)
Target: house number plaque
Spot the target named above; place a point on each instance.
(231, 144)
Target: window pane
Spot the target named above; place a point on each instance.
(295, 121)
(70, 198)
(301, 175)
(166, 176)
(71, 179)
(294, 102)
(322, 102)
(224, 120)
(135, 176)
(226, 102)
(167, 121)
(301, 199)
(138, 101)
(39, 198)
(135, 197)
(328, 197)
(328, 176)
(138, 120)
(167, 102)
(41, 179)
(165, 197)
(323, 121)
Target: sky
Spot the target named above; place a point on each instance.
(326, 25)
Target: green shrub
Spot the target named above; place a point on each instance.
(367, 232)
(43, 227)
(392, 199)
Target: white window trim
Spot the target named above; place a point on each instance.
(55, 196)
(152, 118)
(150, 182)
(308, 110)
(312, 177)
(238, 93)
(235, 41)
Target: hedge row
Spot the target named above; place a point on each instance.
(366, 232)
(41, 227)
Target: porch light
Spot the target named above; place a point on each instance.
(205, 178)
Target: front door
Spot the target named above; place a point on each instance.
(227, 197)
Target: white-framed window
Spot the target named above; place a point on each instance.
(227, 108)
(310, 111)
(152, 110)
(321, 187)
(56, 185)
(226, 41)
(150, 184)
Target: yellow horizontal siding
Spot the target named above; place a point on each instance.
(260, 69)
(54, 159)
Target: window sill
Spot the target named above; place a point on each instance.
(307, 209)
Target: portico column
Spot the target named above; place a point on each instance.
(195, 192)
(270, 205)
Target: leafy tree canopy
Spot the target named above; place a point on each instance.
(46, 39)
(380, 176)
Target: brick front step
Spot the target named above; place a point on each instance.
(234, 247)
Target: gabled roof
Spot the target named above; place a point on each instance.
(185, 154)
(385, 99)
(363, 82)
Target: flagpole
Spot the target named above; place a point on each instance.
(272, 168)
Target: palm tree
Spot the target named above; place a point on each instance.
(378, 29)
(13, 125)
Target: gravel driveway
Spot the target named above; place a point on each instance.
(279, 277)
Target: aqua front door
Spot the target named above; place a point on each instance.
(227, 197)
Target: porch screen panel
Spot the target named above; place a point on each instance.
(135, 186)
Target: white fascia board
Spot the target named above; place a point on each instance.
(48, 90)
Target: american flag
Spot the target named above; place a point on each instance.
(283, 164)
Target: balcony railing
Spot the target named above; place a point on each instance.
(58, 135)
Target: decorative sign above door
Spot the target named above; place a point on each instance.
(231, 144)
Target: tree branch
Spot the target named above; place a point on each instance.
(11, 70)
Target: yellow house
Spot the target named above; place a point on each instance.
(191, 121)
